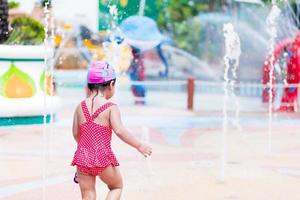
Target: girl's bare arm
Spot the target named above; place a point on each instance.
(123, 133)
(75, 125)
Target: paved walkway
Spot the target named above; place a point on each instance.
(186, 163)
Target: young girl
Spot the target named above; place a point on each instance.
(94, 119)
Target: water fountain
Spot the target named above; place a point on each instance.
(117, 52)
(146, 139)
(231, 59)
(271, 23)
(142, 7)
(45, 138)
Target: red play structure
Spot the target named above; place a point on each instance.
(289, 100)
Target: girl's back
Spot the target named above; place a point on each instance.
(94, 151)
(102, 119)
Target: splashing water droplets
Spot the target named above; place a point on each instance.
(231, 59)
(142, 7)
(272, 20)
(272, 23)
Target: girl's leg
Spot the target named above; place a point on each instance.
(87, 186)
(111, 176)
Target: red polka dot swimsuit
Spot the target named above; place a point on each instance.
(94, 152)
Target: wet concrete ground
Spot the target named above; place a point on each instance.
(186, 162)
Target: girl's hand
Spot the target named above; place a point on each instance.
(145, 150)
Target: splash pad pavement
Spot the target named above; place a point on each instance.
(186, 161)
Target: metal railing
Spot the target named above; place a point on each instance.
(186, 89)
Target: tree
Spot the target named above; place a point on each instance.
(4, 32)
(176, 18)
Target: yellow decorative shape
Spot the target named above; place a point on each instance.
(17, 88)
(15, 83)
(122, 51)
(49, 81)
(124, 3)
(67, 27)
(57, 40)
(124, 56)
(96, 50)
(88, 44)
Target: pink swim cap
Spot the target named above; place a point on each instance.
(100, 72)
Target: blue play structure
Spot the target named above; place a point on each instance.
(142, 34)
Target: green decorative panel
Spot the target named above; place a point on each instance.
(125, 8)
(15, 83)
(9, 121)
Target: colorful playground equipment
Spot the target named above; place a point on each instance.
(142, 34)
(25, 87)
(289, 99)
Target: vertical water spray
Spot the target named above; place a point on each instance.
(142, 7)
(113, 11)
(271, 22)
(44, 142)
(51, 63)
(146, 140)
(112, 47)
(149, 172)
(231, 59)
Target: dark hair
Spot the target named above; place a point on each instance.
(100, 86)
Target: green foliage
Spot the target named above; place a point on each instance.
(281, 4)
(105, 18)
(26, 31)
(4, 33)
(13, 4)
(177, 11)
(176, 17)
(187, 35)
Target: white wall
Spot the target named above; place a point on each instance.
(77, 11)
(26, 5)
(71, 11)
